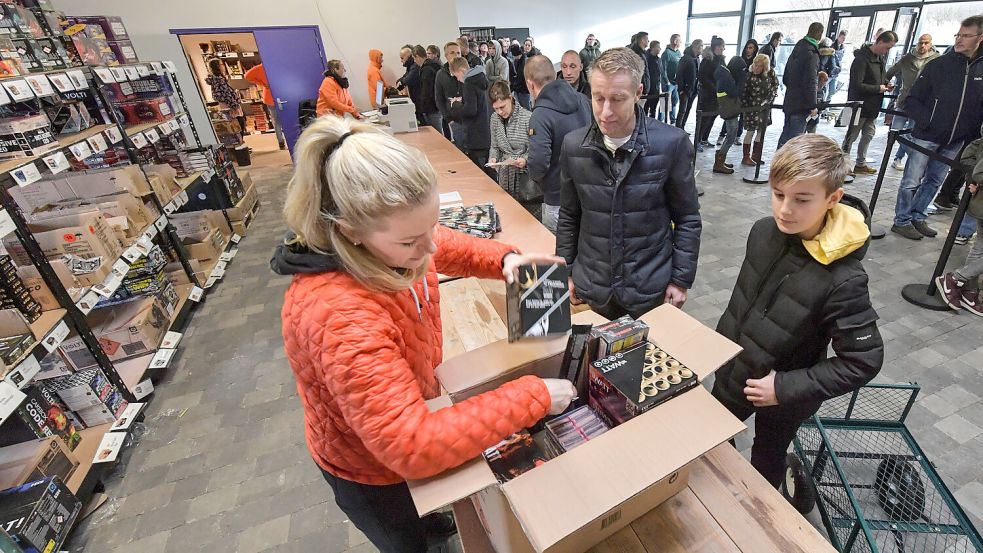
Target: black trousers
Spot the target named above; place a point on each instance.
(652, 107)
(952, 185)
(385, 514)
(706, 127)
(685, 105)
(480, 158)
(613, 309)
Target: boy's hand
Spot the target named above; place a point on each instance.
(675, 296)
(761, 392)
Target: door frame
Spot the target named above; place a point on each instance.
(906, 37)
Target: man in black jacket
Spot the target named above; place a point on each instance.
(708, 87)
(472, 57)
(429, 69)
(654, 60)
(411, 78)
(686, 80)
(770, 49)
(446, 86)
(639, 44)
(473, 111)
(573, 71)
(801, 287)
(868, 84)
(945, 105)
(801, 79)
(629, 219)
(557, 110)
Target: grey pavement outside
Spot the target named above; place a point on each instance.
(222, 464)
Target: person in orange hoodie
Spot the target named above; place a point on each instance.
(333, 97)
(375, 76)
(362, 331)
(257, 76)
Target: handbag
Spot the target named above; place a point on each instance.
(526, 189)
(729, 107)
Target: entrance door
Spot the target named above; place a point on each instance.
(294, 61)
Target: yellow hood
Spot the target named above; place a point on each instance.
(844, 233)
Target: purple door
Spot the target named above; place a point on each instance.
(294, 62)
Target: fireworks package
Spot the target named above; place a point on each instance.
(572, 429)
(514, 455)
(477, 220)
(41, 415)
(575, 361)
(39, 515)
(538, 302)
(617, 335)
(625, 384)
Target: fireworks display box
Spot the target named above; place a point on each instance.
(617, 335)
(28, 136)
(39, 515)
(538, 302)
(574, 501)
(36, 460)
(41, 415)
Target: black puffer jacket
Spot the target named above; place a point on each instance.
(630, 222)
(708, 83)
(945, 100)
(686, 73)
(473, 111)
(801, 78)
(558, 110)
(786, 309)
(866, 77)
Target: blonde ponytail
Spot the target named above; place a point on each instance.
(353, 172)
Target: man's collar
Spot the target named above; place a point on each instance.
(812, 41)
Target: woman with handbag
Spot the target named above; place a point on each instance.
(759, 93)
(510, 148)
(729, 108)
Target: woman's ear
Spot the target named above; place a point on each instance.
(348, 231)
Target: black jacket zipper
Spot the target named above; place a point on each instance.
(774, 295)
(761, 285)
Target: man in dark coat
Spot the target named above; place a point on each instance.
(411, 77)
(429, 68)
(654, 60)
(639, 45)
(473, 111)
(573, 72)
(801, 80)
(868, 84)
(770, 49)
(446, 87)
(629, 222)
(708, 87)
(686, 80)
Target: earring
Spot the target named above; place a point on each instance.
(356, 243)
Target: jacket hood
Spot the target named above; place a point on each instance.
(291, 258)
(845, 233)
(736, 65)
(429, 61)
(756, 48)
(497, 57)
(826, 51)
(375, 56)
(476, 77)
(559, 96)
(866, 52)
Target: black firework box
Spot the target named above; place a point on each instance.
(618, 335)
(39, 515)
(538, 302)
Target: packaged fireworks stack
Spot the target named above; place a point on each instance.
(13, 293)
(477, 220)
(514, 455)
(538, 302)
(572, 429)
(619, 334)
(575, 361)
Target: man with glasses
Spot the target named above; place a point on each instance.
(945, 105)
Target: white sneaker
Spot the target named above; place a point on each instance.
(898, 164)
(931, 210)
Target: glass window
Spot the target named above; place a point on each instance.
(942, 21)
(764, 6)
(715, 6)
(792, 25)
(838, 3)
(707, 27)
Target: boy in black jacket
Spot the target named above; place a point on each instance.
(472, 110)
(802, 285)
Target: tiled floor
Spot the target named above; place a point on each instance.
(222, 464)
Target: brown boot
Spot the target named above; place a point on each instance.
(747, 161)
(719, 166)
(756, 155)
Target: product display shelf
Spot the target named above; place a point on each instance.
(40, 329)
(65, 141)
(143, 127)
(84, 478)
(84, 69)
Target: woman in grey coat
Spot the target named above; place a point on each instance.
(510, 142)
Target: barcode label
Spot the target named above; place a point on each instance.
(611, 519)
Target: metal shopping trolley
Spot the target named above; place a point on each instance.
(875, 489)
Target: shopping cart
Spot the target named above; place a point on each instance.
(875, 489)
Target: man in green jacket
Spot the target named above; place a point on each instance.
(590, 52)
(907, 70)
(670, 61)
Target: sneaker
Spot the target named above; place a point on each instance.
(706, 143)
(864, 170)
(950, 289)
(699, 147)
(931, 209)
(922, 227)
(962, 240)
(971, 302)
(898, 164)
(942, 206)
(907, 231)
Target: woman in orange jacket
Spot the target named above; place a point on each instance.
(333, 97)
(361, 328)
(375, 76)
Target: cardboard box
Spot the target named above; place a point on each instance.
(205, 247)
(81, 184)
(244, 208)
(130, 329)
(28, 136)
(36, 460)
(86, 235)
(196, 223)
(121, 209)
(41, 415)
(39, 515)
(564, 505)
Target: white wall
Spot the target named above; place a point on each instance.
(558, 27)
(348, 29)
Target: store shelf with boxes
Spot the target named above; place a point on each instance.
(237, 62)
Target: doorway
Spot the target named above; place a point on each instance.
(270, 70)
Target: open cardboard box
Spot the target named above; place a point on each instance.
(580, 498)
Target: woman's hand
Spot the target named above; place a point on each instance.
(492, 161)
(520, 162)
(512, 262)
(974, 188)
(561, 392)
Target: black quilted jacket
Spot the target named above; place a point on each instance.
(630, 222)
(786, 309)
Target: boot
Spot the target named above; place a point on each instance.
(719, 166)
(756, 156)
(747, 161)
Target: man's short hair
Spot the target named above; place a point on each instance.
(674, 37)
(775, 35)
(973, 21)
(419, 51)
(463, 43)
(888, 36)
(450, 44)
(842, 33)
(571, 52)
(539, 69)
(816, 30)
(809, 156)
(620, 60)
(458, 64)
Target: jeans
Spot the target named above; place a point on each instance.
(523, 98)
(968, 226)
(971, 271)
(731, 126)
(921, 181)
(869, 130)
(795, 124)
(673, 91)
(385, 514)
(685, 105)
(830, 90)
(901, 123)
(551, 213)
(435, 120)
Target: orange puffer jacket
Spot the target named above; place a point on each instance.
(364, 363)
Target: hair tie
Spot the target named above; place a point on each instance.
(331, 149)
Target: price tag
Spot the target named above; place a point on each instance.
(78, 79)
(143, 71)
(145, 243)
(57, 162)
(109, 447)
(18, 89)
(183, 120)
(61, 82)
(150, 233)
(139, 140)
(88, 302)
(80, 150)
(143, 389)
(113, 135)
(119, 74)
(127, 417)
(171, 340)
(183, 196)
(235, 239)
(121, 267)
(40, 85)
(25, 372)
(104, 74)
(157, 67)
(152, 135)
(132, 254)
(26, 174)
(6, 223)
(196, 294)
(97, 143)
(179, 201)
(161, 223)
(169, 65)
(207, 175)
(170, 208)
(132, 73)
(221, 266)
(248, 54)
(162, 358)
(108, 288)
(210, 282)
(164, 128)
(227, 256)
(10, 399)
(55, 337)
(175, 126)
(217, 273)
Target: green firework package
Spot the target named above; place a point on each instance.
(539, 302)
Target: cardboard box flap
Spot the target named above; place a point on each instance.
(692, 343)
(568, 492)
(486, 363)
(438, 491)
